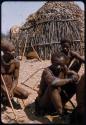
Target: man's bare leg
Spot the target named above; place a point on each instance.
(56, 100)
(20, 93)
(51, 95)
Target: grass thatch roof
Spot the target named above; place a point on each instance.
(53, 22)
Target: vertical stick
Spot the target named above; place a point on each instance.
(9, 98)
(36, 52)
(24, 47)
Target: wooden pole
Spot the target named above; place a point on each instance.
(24, 50)
(36, 52)
(24, 47)
(31, 75)
(9, 99)
(29, 87)
(69, 99)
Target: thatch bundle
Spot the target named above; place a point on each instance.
(51, 23)
(56, 10)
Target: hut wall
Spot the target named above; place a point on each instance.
(45, 28)
(46, 36)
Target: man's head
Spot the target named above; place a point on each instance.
(7, 50)
(58, 61)
(65, 45)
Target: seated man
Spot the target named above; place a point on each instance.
(54, 79)
(71, 55)
(10, 72)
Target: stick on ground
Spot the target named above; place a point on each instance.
(9, 99)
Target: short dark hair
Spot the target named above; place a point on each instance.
(55, 57)
(7, 45)
(66, 42)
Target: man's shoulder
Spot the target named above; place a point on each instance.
(16, 62)
(73, 52)
(46, 70)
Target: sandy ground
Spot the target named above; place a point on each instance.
(31, 70)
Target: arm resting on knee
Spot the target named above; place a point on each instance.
(60, 82)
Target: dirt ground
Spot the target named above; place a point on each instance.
(30, 75)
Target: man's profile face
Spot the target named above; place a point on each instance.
(65, 48)
(9, 55)
(58, 68)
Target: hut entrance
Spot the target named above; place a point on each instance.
(45, 36)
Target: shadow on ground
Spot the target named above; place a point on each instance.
(48, 119)
(30, 112)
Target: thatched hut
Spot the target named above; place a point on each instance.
(52, 22)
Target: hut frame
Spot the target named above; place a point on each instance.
(51, 34)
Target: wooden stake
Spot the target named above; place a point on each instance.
(24, 47)
(32, 75)
(29, 87)
(36, 52)
(69, 99)
(9, 99)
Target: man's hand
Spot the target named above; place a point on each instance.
(11, 94)
(75, 78)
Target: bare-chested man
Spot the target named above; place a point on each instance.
(54, 80)
(71, 55)
(10, 71)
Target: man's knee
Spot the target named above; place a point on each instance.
(54, 90)
(56, 100)
(21, 93)
(25, 94)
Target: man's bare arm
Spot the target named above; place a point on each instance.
(54, 81)
(60, 82)
(76, 55)
(48, 76)
(15, 77)
(71, 72)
